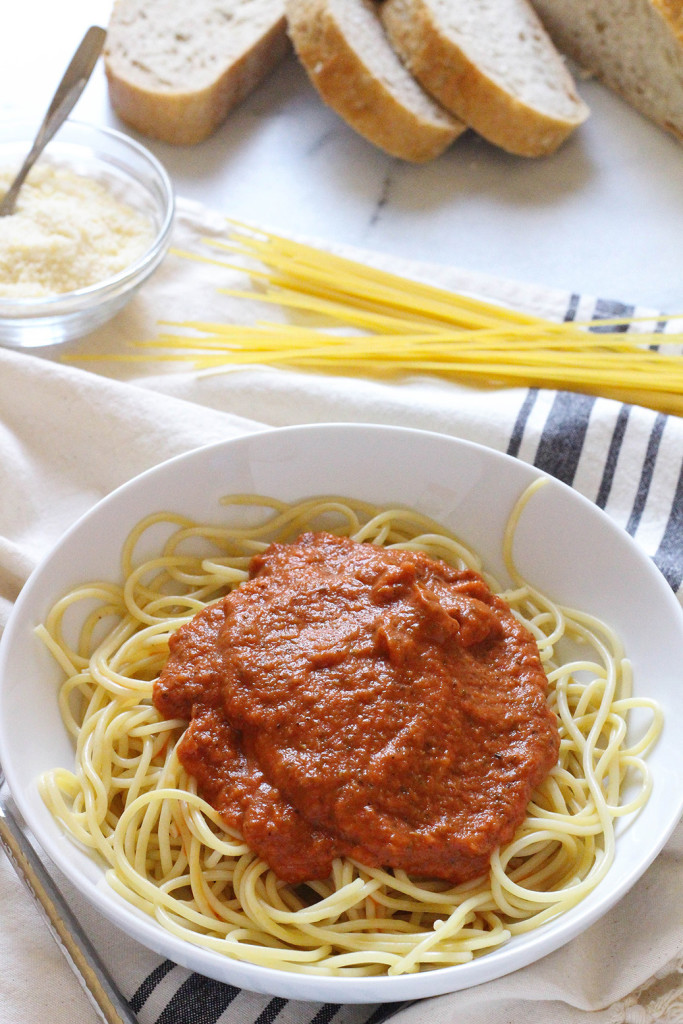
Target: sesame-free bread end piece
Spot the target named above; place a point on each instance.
(493, 65)
(345, 52)
(176, 69)
(636, 49)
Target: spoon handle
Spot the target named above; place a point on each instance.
(98, 985)
(69, 89)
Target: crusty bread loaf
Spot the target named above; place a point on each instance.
(635, 48)
(493, 65)
(175, 69)
(343, 47)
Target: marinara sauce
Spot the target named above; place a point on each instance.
(350, 699)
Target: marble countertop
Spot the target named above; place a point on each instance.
(603, 216)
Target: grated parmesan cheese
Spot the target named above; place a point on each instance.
(67, 232)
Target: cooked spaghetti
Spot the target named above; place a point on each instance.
(168, 851)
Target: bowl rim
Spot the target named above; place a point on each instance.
(64, 302)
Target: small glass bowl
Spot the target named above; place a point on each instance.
(135, 177)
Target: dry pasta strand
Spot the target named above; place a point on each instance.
(403, 326)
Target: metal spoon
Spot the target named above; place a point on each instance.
(69, 89)
(96, 981)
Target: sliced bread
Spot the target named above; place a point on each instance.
(493, 65)
(343, 47)
(635, 48)
(175, 68)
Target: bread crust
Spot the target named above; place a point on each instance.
(672, 12)
(186, 116)
(486, 103)
(639, 57)
(367, 103)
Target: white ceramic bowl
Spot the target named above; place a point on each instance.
(133, 174)
(563, 544)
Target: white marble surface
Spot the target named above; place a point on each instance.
(603, 216)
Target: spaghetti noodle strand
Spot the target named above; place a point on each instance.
(167, 850)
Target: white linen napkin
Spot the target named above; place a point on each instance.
(70, 434)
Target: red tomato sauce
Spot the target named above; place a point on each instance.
(350, 699)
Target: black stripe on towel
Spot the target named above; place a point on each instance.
(271, 1011)
(572, 308)
(386, 1011)
(144, 991)
(561, 443)
(521, 422)
(612, 457)
(199, 1000)
(326, 1012)
(669, 554)
(608, 309)
(646, 474)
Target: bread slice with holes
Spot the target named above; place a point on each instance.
(636, 49)
(493, 65)
(176, 68)
(344, 49)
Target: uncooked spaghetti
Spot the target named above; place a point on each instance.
(356, 319)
